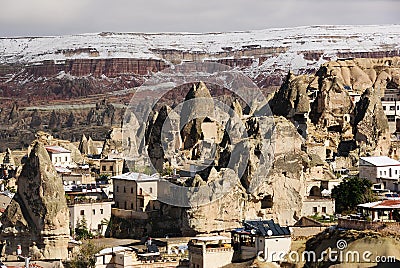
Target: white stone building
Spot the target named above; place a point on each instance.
(96, 212)
(135, 191)
(210, 252)
(381, 169)
(59, 156)
(112, 167)
(116, 257)
(391, 107)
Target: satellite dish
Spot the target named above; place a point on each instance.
(269, 233)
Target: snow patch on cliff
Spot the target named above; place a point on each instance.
(328, 39)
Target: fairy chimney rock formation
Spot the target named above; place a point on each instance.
(38, 212)
(198, 106)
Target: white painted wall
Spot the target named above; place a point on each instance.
(60, 159)
(102, 210)
(275, 248)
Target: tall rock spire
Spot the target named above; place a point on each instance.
(197, 106)
(38, 212)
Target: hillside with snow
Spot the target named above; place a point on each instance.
(327, 39)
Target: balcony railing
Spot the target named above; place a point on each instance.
(199, 250)
(87, 201)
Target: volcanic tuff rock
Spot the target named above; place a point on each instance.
(292, 97)
(9, 158)
(35, 71)
(375, 243)
(113, 143)
(38, 212)
(371, 125)
(198, 104)
(332, 103)
(332, 118)
(266, 187)
(360, 74)
(282, 185)
(86, 146)
(154, 140)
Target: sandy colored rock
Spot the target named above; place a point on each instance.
(38, 212)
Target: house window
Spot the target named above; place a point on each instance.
(94, 211)
(392, 108)
(315, 209)
(111, 168)
(131, 205)
(323, 209)
(125, 205)
(140, 191)
(131, 190)
(103, 168)
(99, 227)
(124, 189)
(151, 190)
(117, 188)
(101, 211)
(384, 108)
(82, 212)
(66, 159)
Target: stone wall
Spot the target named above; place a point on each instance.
(366, 225)
(300, 232)
(319, 203)
(129, 214)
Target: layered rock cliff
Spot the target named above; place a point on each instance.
(44, 72)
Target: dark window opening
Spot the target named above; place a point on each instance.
(267, 202)
(315, 191)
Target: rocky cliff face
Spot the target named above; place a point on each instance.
(371, 125)
(276, 193)
(20, 124)
(38, 212)
(339, 107)
(45, 72)
(255, 166)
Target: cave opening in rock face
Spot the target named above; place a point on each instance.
(315, 191)
(267, 202)
(201, 112)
